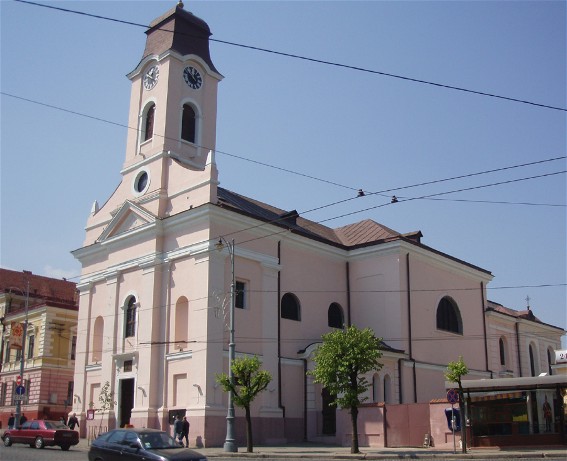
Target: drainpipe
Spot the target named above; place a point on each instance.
(166, 346)
(280, 406)
(409, 327)
(484, 325)
(400, 392)
(348, 294)
(517, 325)
(305, 400)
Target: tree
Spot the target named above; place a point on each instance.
(455, 371)
(341, 362)
(249, 381)
(106, 399)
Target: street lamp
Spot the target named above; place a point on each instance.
(229, 443)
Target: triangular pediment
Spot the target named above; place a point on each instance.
(129, 218)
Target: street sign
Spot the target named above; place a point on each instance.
(20, 390)
(452, 396)
(18, 397)
(18, 380)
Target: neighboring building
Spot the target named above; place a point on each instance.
(154, 289)
(49, 352)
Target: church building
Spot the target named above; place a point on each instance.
(154, 307)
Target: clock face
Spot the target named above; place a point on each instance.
(151, 77)
(192, 77)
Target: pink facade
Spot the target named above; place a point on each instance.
(154, 289)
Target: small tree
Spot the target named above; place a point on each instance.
(455, 371)
(106, 399)
(342, 361)
(249, 381)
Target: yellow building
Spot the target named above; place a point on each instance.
(50, 307)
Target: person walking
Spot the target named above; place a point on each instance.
(185, 432)
(73, 421)
(11, 421)
(23, 419)
(178, 429)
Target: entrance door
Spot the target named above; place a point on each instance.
(126, 392)
(329, 413)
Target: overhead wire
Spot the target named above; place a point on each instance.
(305, 58)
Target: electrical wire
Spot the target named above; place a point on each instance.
(314, 60)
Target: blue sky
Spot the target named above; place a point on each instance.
(348, 129)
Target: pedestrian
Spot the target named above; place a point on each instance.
(73, 421)
(547, 415)
(178, 429)
(185, 432)
(23, 419)
(11, 421)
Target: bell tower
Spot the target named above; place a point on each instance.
(169, 165)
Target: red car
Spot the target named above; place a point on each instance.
(41, 433)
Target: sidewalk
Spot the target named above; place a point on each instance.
(318, 451)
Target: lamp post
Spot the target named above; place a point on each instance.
(229, 443)
(23, 358)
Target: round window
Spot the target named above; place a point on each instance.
(141, 183)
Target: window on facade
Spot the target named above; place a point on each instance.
(448, 316)
(130, 318)
(188, 124)
(387, 389)
(127, 366)
(73, 347)
(31, 346)
(532, 361)
(290, 308)
(375, 387)
(6, 351)
(149, 122)
(181, 327)
(502, 351)
(240, 293)
(18, 355)
(70, 387)
(549, 361)
(335, 317)
(3, 392)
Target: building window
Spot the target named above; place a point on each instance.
(240, 295)
(3, 392)
(70, 388)
(387, 389)
(335, 317)
(448, 316)
(31, 345)
(290, 308)
(73, 347)
(188, 124)
(148, 127)
(18, 355)
(98, 336)
(502, 351)
(532, 361)
(127, 366)
(6, 351)
(131, 318)
(375, 388)
(549, 361)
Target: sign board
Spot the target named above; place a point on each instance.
(19, 397)
(452, 396)
(90, 415)
(561, 356)
(20, 390)
(16, 335)
(18, 380)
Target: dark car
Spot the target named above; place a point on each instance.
(41, 433)
(138, 444)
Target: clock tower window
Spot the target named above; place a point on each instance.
(189, 123)
(148, 128)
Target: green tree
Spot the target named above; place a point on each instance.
(455, 371)
(249, 381)
(341, 362)
(107, 402)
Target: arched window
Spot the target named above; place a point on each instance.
(532, 361)
(448, 316)
(335, 316)
(290, 308)
(130, 318)
(148, 127)
(502, 347)
(181, 323)
(376, 388)
(98, 335)
(189, 123)
(550, 359)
